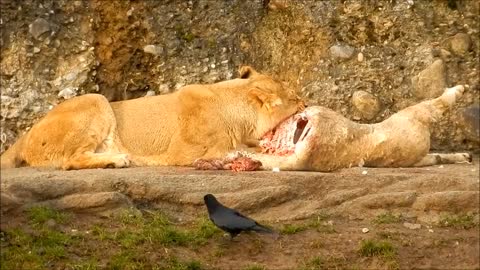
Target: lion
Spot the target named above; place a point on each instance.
(320, 139)
(197, 121)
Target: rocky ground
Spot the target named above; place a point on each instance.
(364, 59)
(357, 218)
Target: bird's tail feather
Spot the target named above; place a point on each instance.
(262, 229)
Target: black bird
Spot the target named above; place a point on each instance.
(230, 220)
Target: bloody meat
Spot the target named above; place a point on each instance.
(236, 162)
(281, 140)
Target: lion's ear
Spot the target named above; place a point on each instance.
(247, 72)
(264, 99)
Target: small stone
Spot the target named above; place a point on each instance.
(150, 93)
(36, 50)
(67, 93)
(163, 89)
(130, 12)
(38, 27)
(430, 82)
(365, 230)
(444, 53)
(366, 104)
(430, 230)
(412, 226)
(153, 49)
(360, 57)
(440, 167)
(461, 43)
(364, 172)
(276, 169)
(342, 51)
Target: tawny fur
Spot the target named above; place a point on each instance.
(197, 121)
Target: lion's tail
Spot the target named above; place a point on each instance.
(13, 157)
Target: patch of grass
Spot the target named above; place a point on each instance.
(128, 239)
(370, 248)
(127, 260)
(91, 264)
(101, 233)
(219, 252)
(292, 229)
(317, 222)
(157, 228)
(173, 263)
(130, 217)
(206, 229)
(26, 251)
(315, 263)
(38, 215)
(458, 221)
(387, 218)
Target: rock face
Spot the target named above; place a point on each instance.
(366, 104)
(421, 193)
(431, 82)
(124, 49)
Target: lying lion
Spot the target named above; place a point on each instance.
(197, 121)
(319, 139)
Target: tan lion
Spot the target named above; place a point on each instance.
(319, 139)
(197, 121)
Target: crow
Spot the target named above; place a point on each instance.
(230, 220)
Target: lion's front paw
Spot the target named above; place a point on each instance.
(121, 161)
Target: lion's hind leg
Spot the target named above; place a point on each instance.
(79, 133)
(437, 158)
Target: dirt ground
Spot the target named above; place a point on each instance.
(416, 217)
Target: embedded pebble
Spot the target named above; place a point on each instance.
(153, 49)
(38, 27)
(366, 104)
(342, 51)
(150, 93)
(460, 43)
(365, 230)
(360, 57)
(430, 82)
(67, 93)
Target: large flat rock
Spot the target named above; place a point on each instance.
(425, 193)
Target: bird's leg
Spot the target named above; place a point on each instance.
(232, 235)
